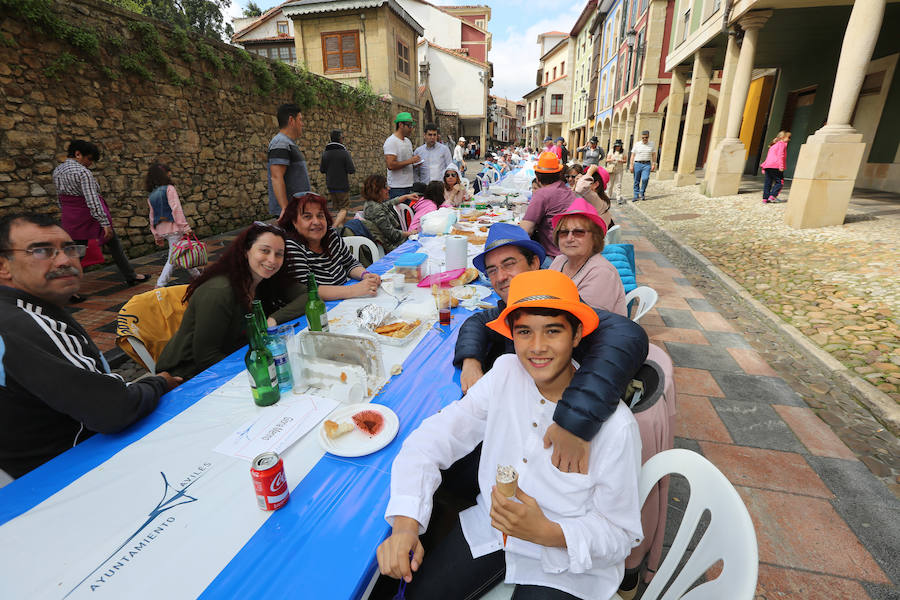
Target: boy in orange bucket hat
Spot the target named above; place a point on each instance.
(568, 534)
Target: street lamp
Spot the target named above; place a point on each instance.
(630, 36)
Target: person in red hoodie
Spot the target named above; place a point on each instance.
(774, 165)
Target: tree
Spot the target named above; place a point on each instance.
(203, 16)
(252, 10)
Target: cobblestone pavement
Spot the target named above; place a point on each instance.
(840, 286)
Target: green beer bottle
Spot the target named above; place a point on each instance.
(260, 367)
(316, 316)
(262, 324)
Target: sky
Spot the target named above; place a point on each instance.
(515, 25)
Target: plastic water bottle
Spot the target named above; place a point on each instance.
(278, 348)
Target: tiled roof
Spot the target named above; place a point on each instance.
(311, 7)
(457, 53)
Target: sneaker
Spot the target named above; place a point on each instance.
(773, 199)
(765, 200)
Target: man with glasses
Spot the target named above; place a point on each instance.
(435, 157)
(56, 388)
(399, 157)
(85, 215)
(643, 161)
(609, 357)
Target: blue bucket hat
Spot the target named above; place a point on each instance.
(504, 234)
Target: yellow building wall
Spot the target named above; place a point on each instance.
(378, 35)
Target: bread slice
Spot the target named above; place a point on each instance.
(335, 430)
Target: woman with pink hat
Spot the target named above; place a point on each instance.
(592, 187)
(579, 232)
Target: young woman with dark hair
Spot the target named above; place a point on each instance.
(251, 268)
(167, 222)
(314, 246)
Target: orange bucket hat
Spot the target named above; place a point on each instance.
(545, 288)
(548, 162)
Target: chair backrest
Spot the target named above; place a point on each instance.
(730, 536)
(355, 242)
(614, 235)
(646, 298)
(151, 318)
(405, 213)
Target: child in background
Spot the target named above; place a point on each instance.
(167, 222)
(774, 166)
(431, 198)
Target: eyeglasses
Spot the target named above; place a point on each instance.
(446, 175)
(571, 176)
(506, 265)
(267, 225)
(576, 233)
(51, 252)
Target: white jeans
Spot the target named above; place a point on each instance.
(614, 191)
(172, 239)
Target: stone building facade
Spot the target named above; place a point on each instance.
(212, 131)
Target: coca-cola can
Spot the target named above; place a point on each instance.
(269, 482)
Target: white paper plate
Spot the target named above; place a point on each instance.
(474, 292)
(357, 443)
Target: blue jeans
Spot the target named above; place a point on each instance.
(641, 177)
(395, 192)
(774, 183)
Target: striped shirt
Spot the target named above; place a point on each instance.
(643, 152)
(329, 270)
(71, 178)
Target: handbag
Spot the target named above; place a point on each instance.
(189, 252)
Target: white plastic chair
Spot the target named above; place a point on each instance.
(614, 235)
(402, 210)
(730, 535)
(646, 297)
(355, 242)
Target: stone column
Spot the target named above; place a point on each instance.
(693, 120)
(627, 132)
(728, 69)
(673, 123)
(604, 137)
(726, 162)
(829, 160)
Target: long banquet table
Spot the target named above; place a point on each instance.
(153, 512)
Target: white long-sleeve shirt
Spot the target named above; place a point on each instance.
(599, 513)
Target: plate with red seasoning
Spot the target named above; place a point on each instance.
(358, 429)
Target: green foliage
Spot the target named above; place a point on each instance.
(114, 43)
(6, 41)
(238, 89)
(134, 63)
(264, 80)
(230, 64)
(252, 10)
(207, 53)
(174, 77)
(62, 63)
(181, 43)
(42, 15)
(110, 74)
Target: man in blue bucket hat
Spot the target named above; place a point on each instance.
(609, 356)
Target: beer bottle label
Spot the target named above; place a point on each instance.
(323, 319)
(273, 374)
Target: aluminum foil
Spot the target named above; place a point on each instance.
(371, 316)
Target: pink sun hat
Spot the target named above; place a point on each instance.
(582, 208)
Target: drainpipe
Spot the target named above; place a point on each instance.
(726, 14)
(362, 17)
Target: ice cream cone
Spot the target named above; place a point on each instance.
(507, 484)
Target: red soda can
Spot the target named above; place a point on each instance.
(269, 482)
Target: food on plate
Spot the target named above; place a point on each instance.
(470, 275)
(370, 422)
(474, 237)
(335, 430)
(396, 369)
(400, 329)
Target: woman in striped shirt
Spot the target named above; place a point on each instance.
(314, 246)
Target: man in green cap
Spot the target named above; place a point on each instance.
(399, 157)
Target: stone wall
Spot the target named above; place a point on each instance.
(213, 131)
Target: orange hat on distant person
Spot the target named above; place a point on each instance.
(545, 288)
(548, 162)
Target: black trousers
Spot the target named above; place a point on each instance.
(118, 254)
